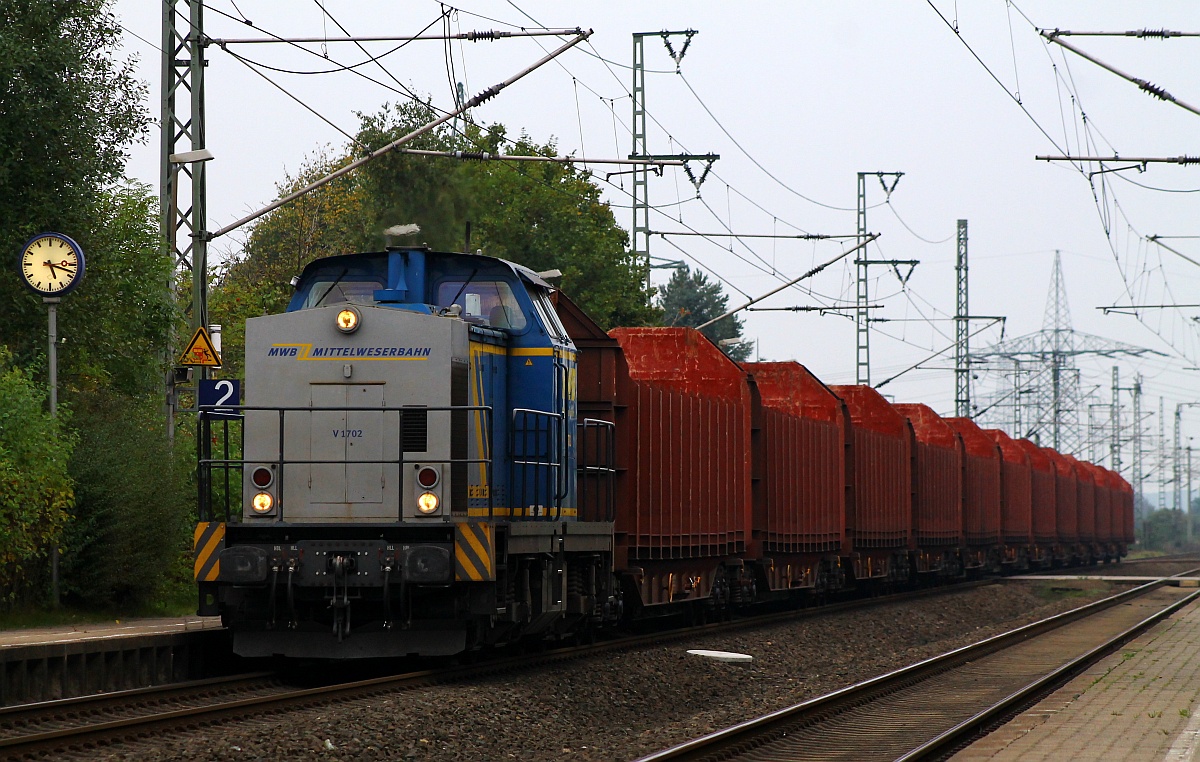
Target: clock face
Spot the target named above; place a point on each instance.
(52, 264)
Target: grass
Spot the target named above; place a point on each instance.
(1137, 555)
(1057, 591)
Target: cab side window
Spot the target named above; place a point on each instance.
(546, 312)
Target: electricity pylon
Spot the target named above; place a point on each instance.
(1049, 393)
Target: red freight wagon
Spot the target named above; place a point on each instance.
(675, 527)
(1065, 497)
(1106, 498)
(683, 459)
(1016, 495)
(878, 510)
(1117, 489)
(1042, 502)
(937, 478)
(800, 479)
(1121, 495)
(981, 491)
(1085, 503)
(1127, 521)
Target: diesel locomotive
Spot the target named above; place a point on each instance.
(408, 467)
(438, 452)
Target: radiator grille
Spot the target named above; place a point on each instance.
(414, 430)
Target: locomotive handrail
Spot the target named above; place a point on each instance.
(604, 472)
(225, 412)
(552, 464)
(562, 482)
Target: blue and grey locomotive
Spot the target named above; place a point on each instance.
(407, 465)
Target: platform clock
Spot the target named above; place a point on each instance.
(51, 264)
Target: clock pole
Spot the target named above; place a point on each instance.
(52, 303)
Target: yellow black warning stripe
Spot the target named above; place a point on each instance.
(207, 543)
(474, 552)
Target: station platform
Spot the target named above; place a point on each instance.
(122, 628)
(47, 663)
(1140, 703)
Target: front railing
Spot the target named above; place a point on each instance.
(222, 429)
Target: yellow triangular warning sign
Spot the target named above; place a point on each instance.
(529, 362)
(200, 351)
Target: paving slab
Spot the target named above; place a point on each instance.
(1140, 703)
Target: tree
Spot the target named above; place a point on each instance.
(1163, 529)
(116, 322)
(68, 107)
(438, 194)
(543, 216)
(550, 216)
(134, 502)
(690, 299)
(35, 491)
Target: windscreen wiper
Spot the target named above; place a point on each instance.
(463, 288)
(331, 286)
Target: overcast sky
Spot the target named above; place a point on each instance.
(797, 98)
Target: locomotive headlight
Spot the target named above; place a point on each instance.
(348, 320)
(427, 503)
(262, 502)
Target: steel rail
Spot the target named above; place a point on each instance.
(757, 732)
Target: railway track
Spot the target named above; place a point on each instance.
(78, 726)
(925, 710)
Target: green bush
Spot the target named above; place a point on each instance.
(35, 491)
(133, 506)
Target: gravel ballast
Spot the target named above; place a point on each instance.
(620, 706)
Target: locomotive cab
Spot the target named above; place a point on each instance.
(407, 467)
